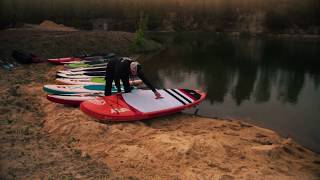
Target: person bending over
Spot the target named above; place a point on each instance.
(121, 69)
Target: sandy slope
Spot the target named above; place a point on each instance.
(184, 147)
(27, 151)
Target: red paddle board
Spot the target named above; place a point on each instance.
(63, 60)
(141, 104)
(72, 99)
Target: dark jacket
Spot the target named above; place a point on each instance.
(119, 68)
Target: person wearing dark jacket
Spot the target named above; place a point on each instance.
(121, 69)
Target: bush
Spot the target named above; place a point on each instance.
(139, 39)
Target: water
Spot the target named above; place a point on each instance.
(271, 82)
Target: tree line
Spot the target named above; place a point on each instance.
(253, 16)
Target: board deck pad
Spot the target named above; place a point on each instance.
(141, 104)
(144, 101)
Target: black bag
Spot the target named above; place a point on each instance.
(25, 58)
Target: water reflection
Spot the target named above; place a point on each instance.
(255, 78)
(241, 67)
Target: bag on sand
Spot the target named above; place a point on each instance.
(25, 58)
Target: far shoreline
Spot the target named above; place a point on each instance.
(244, 34)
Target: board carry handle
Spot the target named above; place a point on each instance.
(159, 97)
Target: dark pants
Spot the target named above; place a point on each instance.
(126, 84)
(110, 78)
(113, 73)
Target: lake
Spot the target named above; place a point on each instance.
(270, 82)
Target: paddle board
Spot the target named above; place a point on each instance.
(81, 76)
(81, 65)
(86, 69)
(63, 60)
(141, 104)
(81, 72)
(76, 89)
(91, 81)
(72, 99)
(91, 62)
(73, 62)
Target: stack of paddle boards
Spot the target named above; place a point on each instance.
(75, 94)
(82, 83)
(79, 84)
(82, 57)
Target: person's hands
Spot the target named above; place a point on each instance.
(158, 95)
